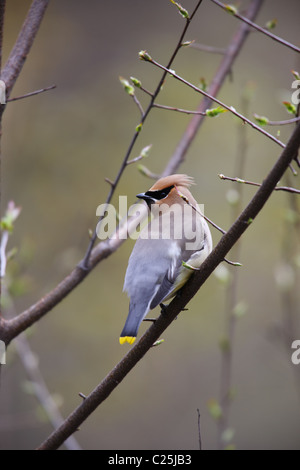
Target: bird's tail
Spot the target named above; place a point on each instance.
(136, 314)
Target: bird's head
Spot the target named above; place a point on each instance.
(168, 190)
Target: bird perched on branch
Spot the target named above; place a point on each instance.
(175, 242)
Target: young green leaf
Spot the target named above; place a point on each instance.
(145, 151)
(136, 82)
(12, 212)
(127, 87)
(143, 55)
(215, 111)
(262, 120)
(291, 108)
(296, 74)
(183, 12)
(139, 127)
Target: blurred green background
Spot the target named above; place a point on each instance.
(58, 147)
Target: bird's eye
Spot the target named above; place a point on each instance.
(160, 194)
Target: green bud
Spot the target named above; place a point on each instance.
(139, 127)
(231, 9)
(271, 24)
(136, 82)
(214, 112)
(12, 213)
(127, 87)
(145, 151)
(296, 74)
(143, 55)
(262, 120)
(291, 108)
(157, 343)
(183, 12)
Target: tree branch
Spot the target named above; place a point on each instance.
(231, 10)
(224, 69)
(112, 380)
(19, 53)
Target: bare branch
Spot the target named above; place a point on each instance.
(223, 71)
(209, 49)
(225, 106)
(32, 93)
(179, 110)
(258, 28)
(19, 53)
(251, 183)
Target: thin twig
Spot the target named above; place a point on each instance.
(20, 51)
(258, 28)
(179, 110)
(199, 430)
(224, 69)
(252, 183)
(284, 122)
(27, 95)
(209, 49)
(225, 106)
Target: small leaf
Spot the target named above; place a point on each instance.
(143, 55)
(139, 127)
(291, 108)
(127, 87)
(231, 9)
(271, 24)
(12, 213)
(262, 120)
(214, 112)
(158, 343)
(136, 82)
(296, 74)
(183, 12)
(145, 151)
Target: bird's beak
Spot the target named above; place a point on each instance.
(149, 200)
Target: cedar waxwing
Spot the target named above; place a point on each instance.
(176, 239)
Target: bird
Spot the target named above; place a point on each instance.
(175, 242)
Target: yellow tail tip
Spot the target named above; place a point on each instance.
(127, 339)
